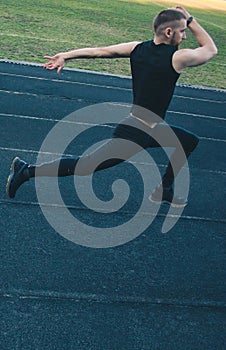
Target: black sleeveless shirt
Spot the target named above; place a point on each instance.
(154, 78)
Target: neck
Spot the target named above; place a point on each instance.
(159, 40)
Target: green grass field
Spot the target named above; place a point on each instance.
(32, 29)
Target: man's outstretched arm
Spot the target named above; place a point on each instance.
(113, 51)
(194, 57)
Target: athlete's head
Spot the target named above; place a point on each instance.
(170, 25)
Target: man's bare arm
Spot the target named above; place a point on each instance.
(194, 57)
(113, 51)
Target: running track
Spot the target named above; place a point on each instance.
(159, 291)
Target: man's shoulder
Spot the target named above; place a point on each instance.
(143, 45)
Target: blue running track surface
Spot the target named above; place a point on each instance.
(156, 292)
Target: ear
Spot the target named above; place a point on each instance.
(168, 32)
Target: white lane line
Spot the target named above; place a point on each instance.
(176, 112)
(67, 81)
(11, 149)
(197, 115)
(32, 94)
(211, 139)
(99, 85)
(72, 207)
(198, 99)
(54, 120)
(83, 123)
(120, 104)
(22, 294)
(85, 99)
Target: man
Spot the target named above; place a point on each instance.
(156, 66)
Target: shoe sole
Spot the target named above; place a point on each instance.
(10, 177)
(167, 202)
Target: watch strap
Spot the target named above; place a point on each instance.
(189, 20)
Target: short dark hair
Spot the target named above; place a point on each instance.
(165, 18)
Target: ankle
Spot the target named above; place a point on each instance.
(31, 171)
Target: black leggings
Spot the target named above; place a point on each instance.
(129, 137)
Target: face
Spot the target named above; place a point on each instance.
(178, 34)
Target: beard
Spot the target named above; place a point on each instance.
(173, 42)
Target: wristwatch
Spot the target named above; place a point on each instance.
(189, 20)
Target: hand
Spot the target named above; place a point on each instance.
(183, 10)
(56, 61)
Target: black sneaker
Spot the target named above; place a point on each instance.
(18, 175)
(165, 195)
